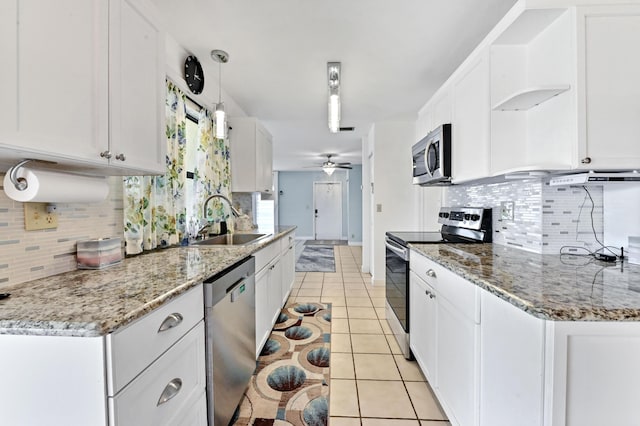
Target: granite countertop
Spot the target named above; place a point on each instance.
(551, 287)
(91, 303)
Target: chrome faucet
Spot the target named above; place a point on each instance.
(206, 202)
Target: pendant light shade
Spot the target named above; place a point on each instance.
(333, 80)
(221, 57)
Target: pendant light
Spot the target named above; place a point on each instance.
(333, 79)
(221, 57)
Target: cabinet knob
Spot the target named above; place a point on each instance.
(120, 157)
(586, 160)
(106, 154)
(430, 294)
(431, 273)
(171, 321)
(170, 391)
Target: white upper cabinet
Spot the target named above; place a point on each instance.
(609, 87)
(137, 89)
(83, 78)
(563, 90)
(470, 124)
(251, 156)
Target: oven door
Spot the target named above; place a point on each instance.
(397, 281)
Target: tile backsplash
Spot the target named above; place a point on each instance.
(546, 218)
(27, 255)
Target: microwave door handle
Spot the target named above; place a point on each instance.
(403, 252)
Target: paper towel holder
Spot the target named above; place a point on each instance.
(19, 182)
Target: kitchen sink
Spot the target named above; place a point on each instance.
(230, 240)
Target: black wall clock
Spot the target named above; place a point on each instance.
(193, 74)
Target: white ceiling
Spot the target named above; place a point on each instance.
(394, 55)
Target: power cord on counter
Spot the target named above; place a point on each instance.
(597, 254)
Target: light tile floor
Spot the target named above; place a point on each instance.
(372, 384)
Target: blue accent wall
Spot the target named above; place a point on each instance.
(295, 200)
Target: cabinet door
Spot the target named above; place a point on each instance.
(136, 78)
(609, 104)
(288, 272)
(275, 292)
(264, 160)
(423, 326)
(263, 317)
(511, 365)
(457, 338)
(54, 82)
(471, 117)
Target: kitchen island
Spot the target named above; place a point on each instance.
(120, 346)
(509, 337)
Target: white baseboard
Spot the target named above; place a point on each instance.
(355, 243)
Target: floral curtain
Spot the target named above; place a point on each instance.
(155, 206)
(212, 170)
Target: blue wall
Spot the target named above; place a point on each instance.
(295, 200)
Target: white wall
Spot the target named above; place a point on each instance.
(175, 57)
(393, 191)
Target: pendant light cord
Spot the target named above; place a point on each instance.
(220, 82)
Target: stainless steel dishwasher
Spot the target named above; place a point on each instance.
(230, 322)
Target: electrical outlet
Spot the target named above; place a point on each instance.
(37, 217)
(507, 210)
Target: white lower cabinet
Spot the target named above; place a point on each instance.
(493, 364)
(87, 381)
(423, 326)
(167, 389)
(274, 279)
(511, 365)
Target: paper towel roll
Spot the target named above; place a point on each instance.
(55, 187)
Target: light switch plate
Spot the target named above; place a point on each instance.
(36, 217)
(507, 210)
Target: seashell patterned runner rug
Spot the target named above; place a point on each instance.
(291, 383)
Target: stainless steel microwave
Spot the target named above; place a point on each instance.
(432, 158)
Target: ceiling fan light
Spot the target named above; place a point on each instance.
(221, 125)
(329, 170)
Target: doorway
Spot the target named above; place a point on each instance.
(327, 207)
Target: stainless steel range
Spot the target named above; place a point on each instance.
(459, 225)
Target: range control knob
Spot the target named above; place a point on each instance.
(446, 215)
(475, 217)
(467, 216)
(440, 214)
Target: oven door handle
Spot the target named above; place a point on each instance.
(403, 252)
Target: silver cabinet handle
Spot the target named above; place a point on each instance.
(121, 157)
(170, 322)
(586, 160)
(106, 154)
(431, 273)
(171, 390)
(430, 294)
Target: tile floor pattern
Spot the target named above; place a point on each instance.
(372, 384)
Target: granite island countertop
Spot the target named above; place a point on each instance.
(89, 303)
(551, 287)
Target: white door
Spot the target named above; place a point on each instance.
(327, 204)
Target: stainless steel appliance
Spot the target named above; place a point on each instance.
(230, 326)
(432, 158)
(459, 225)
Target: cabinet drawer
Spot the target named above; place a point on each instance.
(266, 255)
(286, 242)
(165, 389)
(462, 294)
(132, 349)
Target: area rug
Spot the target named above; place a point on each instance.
(316, 259)
(325, 242)
(291, 383)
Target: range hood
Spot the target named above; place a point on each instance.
(597, 178)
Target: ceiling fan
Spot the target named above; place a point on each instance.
(330, 166)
